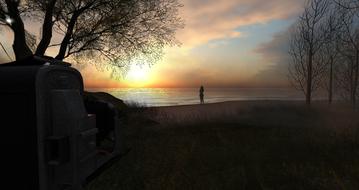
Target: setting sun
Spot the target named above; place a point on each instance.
(138, 76)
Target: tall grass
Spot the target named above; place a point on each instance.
(253, 146)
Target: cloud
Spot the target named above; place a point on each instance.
(275, 57)
(208, 20)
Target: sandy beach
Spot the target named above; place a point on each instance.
(239, 145)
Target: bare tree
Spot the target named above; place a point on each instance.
(344, 77)
(330, 49)
(349, 50)
(113, 30)
(308, 37)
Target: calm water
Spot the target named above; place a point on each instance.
(186, 96)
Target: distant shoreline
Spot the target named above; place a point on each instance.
(161, 97)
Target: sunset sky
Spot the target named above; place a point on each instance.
(225, 43)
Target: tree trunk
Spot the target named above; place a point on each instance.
(330, 98)
(309, 79)
(46, 29)
(21, 49)
(19, 46)
(65, 42)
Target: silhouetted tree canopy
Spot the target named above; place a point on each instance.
(111, 30)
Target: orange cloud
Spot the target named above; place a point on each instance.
(208, 20)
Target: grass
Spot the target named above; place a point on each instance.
(275, 146)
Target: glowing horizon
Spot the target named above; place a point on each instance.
(225, 43)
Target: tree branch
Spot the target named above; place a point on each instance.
(21, 49)
(46, 28)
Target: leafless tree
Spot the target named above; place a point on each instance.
(349, 50)
(110, 30)
(308, 37)
(330, 49)
(344, 77)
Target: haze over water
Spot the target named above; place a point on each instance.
(187, 96)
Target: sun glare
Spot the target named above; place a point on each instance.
(138, 76)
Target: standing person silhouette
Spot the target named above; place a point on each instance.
(201, 95)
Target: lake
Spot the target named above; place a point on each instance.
(188, 96)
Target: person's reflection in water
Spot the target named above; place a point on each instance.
(201, 94)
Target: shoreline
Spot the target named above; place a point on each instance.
(150, 97)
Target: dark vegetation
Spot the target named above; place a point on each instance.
(129, 113)
(263, 145)
(105, 97)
